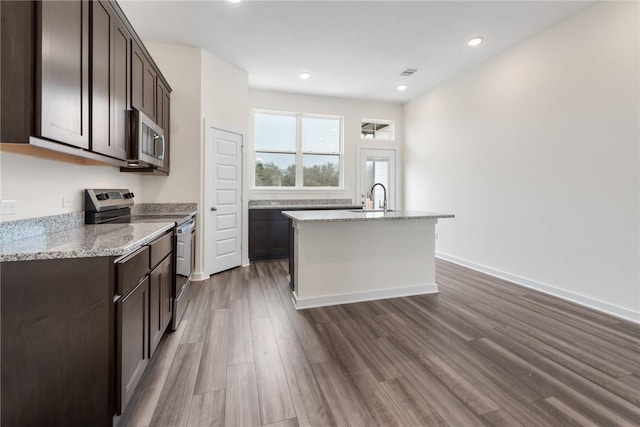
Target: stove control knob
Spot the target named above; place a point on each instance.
(102, 196)
(128, 195)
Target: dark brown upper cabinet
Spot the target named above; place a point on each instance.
(63, 86)
(45, 71)
(150, 94)
(143, 82)
(71, 70)
(110, 41)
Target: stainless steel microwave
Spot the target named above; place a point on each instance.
(147, 141)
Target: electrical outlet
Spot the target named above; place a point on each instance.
(66, 202)
(9, 207)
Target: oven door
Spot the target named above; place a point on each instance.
(184, 266)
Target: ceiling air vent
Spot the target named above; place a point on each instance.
(409, 72)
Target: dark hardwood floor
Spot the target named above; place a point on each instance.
(481, 352)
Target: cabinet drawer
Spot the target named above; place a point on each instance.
(160, 248)
(131, 269)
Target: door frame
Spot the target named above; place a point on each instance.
(360, 191)
(207, 174)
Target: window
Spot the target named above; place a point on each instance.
(297, 150)
(377, 129)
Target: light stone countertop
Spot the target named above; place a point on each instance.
(346, 215)
(177, 218)
(306, 207)
(86, 241)
(303, 204)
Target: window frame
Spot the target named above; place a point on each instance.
(299, 153)
(390, 123)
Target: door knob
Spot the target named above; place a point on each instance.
(213, 209)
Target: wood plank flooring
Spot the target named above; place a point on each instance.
(482, 352)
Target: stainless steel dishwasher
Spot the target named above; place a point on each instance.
(185, 263)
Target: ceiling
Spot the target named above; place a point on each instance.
(352, 49)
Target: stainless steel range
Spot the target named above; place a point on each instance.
(113, 206)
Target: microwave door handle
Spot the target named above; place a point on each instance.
(158, 140)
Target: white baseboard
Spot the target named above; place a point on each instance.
(303, 303)
(602, 306)
(197, 277)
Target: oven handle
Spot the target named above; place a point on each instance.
(187, 227)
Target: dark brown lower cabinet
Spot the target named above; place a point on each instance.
(268, 234)
(70, 354)
(160, 306)
(57, 342)
(132, 341)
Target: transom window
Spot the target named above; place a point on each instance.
(297, 150)
(377, 129)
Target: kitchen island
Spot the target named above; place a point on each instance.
(350, 256)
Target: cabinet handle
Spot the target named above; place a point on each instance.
(213, 209)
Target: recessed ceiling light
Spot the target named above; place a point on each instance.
(235, 1)
(402, 88)
(304, 75)
(474, 41)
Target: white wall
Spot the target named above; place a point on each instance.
(353, 112)
(203, 87)
(536, 152)
(225, 94)
(38, 185)
(225, 105)
(181, 66)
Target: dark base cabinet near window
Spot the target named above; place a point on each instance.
(269, 232)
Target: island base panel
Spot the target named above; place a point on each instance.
(342, 262)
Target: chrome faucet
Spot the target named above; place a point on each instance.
(384, 206)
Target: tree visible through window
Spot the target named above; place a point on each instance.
(297, 150)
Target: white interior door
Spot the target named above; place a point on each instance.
(377, 165)
(223, 200)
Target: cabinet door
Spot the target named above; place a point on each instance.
(64, 72)
(268, 234)
(132, 341)
(17, 44)
(160, 302)
(280, 237)
(138, 62)
(101, 41)
(110, 81)
(120, 91)
(159, 103)
(143, 82)
(150, 91)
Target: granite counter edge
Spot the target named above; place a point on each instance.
(117, 252)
